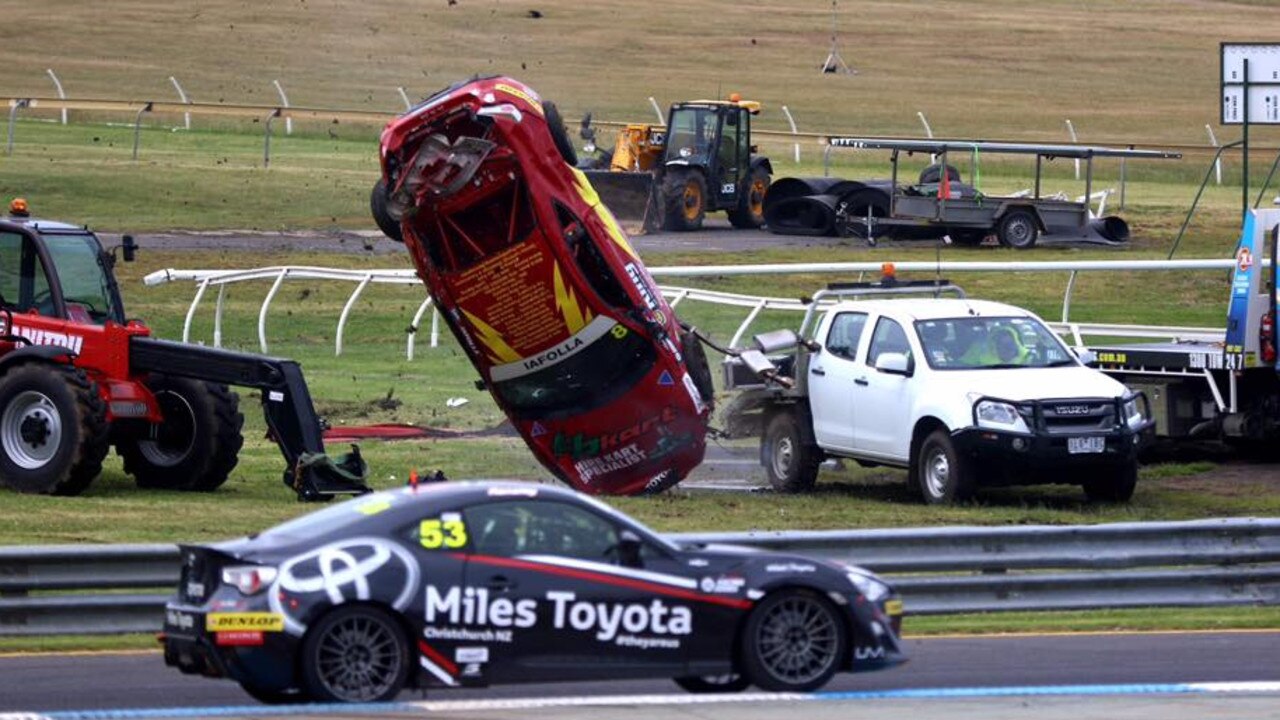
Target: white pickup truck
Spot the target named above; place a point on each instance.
(962, 392)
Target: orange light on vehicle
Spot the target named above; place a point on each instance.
(888, 271)
(735, 97)
(18, 207)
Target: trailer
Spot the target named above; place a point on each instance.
(1223, 387)
(940, 203)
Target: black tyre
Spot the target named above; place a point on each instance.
(1018, 229)
(290, 696)
(794, 641)
(684, 199)
(695, 359)
(853, 212)
(943, 476)
(355, 654)
(197, 445)
(707, 684)
(749, 214)
(53, 429)
(559, 135)
(790, 463)
(378, 207)
(1115, 486)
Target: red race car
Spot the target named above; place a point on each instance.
(542, 288)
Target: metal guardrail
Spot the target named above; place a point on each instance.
(56, 589)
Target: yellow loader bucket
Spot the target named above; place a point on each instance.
(631, 197)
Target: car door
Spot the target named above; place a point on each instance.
(882, 424)
(832, 374)
(571, 609)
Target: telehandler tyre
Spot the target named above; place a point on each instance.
(684, 199)
(53, 429)
(749, 214)
(198, 444)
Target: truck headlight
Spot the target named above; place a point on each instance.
(999, 416)
(1132, 410)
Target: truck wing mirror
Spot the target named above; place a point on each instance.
(893, 363)
(1087, 357)
(129, 248)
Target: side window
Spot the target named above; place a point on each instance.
(889, 337)
(530, 527)
(23, 284)
(846, 331)
(590, 260)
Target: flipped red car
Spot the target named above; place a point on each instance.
(541, 286)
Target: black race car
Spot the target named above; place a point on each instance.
(460, 584)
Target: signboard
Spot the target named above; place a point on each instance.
(1263, 83)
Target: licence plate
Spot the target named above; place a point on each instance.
(1083, 445)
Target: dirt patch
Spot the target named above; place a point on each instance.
(1230, 479)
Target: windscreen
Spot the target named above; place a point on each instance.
(974, 343)
(595, 375)
(84, 280)
(692, 134)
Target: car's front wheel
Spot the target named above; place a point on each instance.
(794, 641)
(942, 474)
(705, 684)
(355, 654)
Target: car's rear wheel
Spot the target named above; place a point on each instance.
(942, 474)
(706, 684)
(355, 654)
(794, 641)
(1114, 486)
(790, 463)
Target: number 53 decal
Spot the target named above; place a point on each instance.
(446, 532)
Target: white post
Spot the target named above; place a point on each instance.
(657, 111)
(928, 131)
(792, 120)
(288, 121)
(346, 311)
(61, 95)
(413, 333)
(1217, 164)
(435, 327)
(1071, 129)
(266, 303)
(182, 95)
(405, 97)
(191, 311)
(217, 317)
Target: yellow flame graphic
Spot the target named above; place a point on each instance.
(592, 198)
(499, 351)
(576, 317)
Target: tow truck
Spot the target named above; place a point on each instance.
(77, 376)
(1222, 386)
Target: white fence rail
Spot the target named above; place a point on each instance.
(362, 279)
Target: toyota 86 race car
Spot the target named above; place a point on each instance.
(543, 289)
(472, 584)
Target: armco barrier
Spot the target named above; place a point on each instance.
(56, 589)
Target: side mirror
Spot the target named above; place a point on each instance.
(629, 549)
(129, 247)
(893, 363)
(1087, 357)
